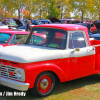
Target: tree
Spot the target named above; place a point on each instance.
(18, 4)
(97, 8)
(53, 11)
(79, 7)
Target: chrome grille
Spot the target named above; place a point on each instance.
(4, 71)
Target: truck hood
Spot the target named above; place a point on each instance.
(28, 54)
(54, 20)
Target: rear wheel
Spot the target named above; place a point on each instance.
(44, 84)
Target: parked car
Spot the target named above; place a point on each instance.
(54, 20)
(87, 25)
(22, 28)
(9, 37)
(3, 26)
(44, 21)
(64, 21)
(95, 36)
(70, 21)
(95, 27)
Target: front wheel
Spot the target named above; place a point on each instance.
(44, 84)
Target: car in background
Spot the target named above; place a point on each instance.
(3, 26)
(35, 22)
(64, 21)
(9, 37)
(92, 29)
(87, 25)
(95, 27)
(70, 21)
(95, 36)
(44, 21)
(11, 23)
(22, 28)
(54, 20)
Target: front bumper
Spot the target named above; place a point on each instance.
(14, 84)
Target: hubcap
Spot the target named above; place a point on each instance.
(44, 84)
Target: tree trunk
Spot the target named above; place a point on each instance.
(99, 15)
(82, 14)
(18, 13)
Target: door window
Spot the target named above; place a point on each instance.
(76, 40)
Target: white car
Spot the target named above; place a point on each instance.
(4, 27)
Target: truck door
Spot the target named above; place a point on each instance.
(82, 60)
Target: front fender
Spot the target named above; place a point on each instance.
(31, 72)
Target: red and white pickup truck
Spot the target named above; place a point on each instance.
(66, 53)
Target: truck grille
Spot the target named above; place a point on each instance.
(5, 71)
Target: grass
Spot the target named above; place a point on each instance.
(87, 88)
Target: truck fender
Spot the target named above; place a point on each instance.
(31, 72)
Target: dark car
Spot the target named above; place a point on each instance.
(44, 21)
(97, 25)
(88, 25)
(70, 21)
(35, 22)
(54, 20)
(95, 36)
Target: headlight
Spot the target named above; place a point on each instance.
(19, 75)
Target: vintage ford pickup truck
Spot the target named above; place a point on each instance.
(66, 53)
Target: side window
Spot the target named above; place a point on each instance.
(92, 25)
(21, 38)
(18, 38)
(13, 39)
(76, 40)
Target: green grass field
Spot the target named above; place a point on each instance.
(87, 88)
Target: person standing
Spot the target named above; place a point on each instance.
(5, 22)
(27, 28)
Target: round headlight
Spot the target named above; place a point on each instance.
(19, 76)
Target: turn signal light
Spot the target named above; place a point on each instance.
(11, 73)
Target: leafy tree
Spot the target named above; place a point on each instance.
(53, 11)
(18, 4)
(97, 8)
(79, 7)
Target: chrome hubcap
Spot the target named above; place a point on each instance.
(44, 84)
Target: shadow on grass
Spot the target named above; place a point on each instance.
(77, 83)
(59, 88)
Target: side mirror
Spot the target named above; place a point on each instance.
(77, 49)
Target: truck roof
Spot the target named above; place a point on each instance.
(68, 27)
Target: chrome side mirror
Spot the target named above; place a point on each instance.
(76, 49)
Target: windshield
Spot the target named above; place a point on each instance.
(11, 22)
(48, 37)
(4, 37)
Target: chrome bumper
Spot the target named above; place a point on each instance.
(14, 84)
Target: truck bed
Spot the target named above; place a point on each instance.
(96, 44)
